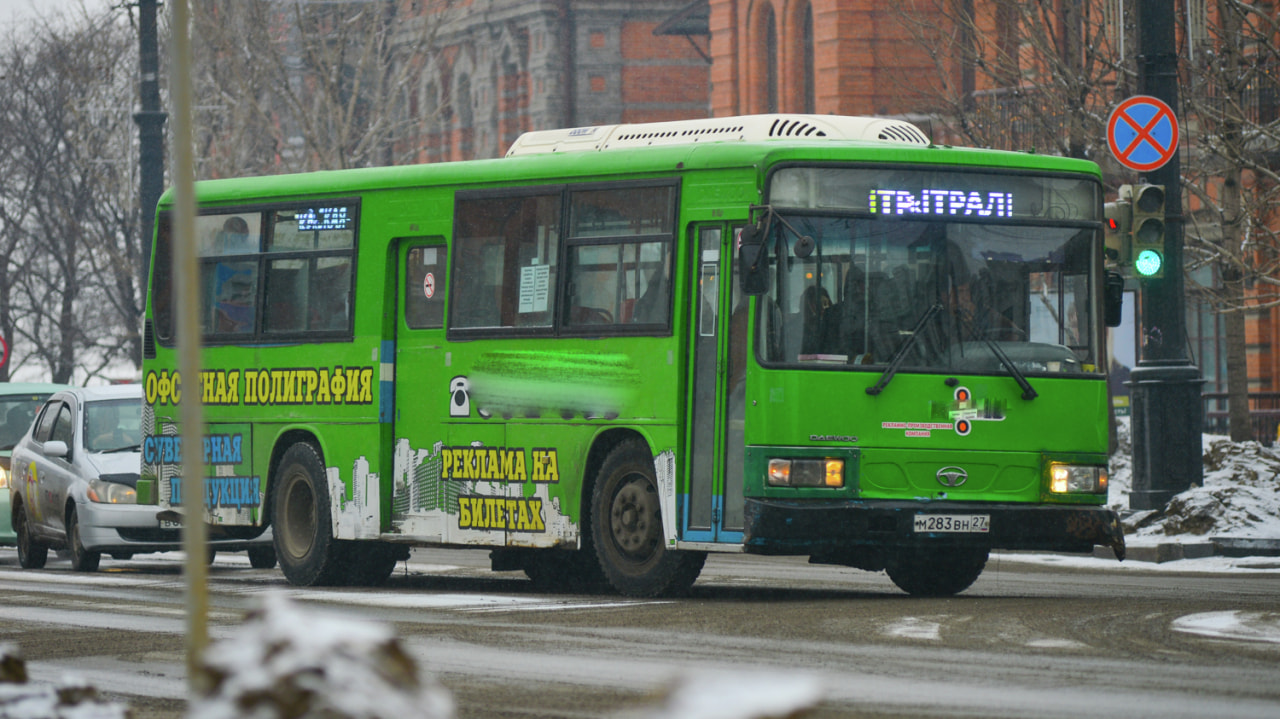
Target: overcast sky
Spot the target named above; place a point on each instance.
(20, 11)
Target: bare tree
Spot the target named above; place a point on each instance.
(1018, 74)
(290, 85)
(1235, 142)
(69, 288)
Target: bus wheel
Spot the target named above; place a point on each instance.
(371, 563)
(936, 572)
(304, 543)
(564, 570)
(626, 526)
(263, 557)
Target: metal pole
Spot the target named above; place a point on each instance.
(150, 120)
(187, 283)
(1168, 414)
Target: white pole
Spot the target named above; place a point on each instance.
(187, 283)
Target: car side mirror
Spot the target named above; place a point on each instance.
(56, 448)
(1113, 299)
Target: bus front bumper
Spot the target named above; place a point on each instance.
(817, 527)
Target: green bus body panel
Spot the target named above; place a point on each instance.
(566, 395)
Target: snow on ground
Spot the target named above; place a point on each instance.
(1239, 498)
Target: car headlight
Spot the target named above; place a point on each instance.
(1066, 478)
(111, 493)
(806, 472)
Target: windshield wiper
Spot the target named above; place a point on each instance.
(901, 354)
(1028, 392)
(126, 448)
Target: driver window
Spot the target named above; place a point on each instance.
(44, 427)
(63, 427)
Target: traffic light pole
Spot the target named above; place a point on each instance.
(1167, 411)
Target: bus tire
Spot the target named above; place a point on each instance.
(300, 520)
(561, 570)
(263, 557)
(371, 563)
(936, 571)
(626, 527)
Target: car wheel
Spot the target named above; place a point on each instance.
(31, 553)
(626, 525)
(82, 560)
(304, 543)
(262, 557)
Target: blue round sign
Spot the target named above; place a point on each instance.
(1143, 133)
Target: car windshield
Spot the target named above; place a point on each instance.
(951, 297)
(16, 413)
(113, 425)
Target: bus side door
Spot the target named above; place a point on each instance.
(422, 498)
(715, 430)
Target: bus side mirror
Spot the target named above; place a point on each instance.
(752, 264)
(1113, 300)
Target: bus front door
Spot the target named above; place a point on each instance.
(715, 434)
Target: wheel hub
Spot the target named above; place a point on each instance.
(632, 519)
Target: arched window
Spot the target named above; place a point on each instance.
(767, 45)
(808, 81)
(771, 58)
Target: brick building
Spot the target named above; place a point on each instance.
(842, 57)
(507, 66)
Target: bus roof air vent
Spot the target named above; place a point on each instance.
(748, 128)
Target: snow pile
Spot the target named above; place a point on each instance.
(1240, 496)
(72, 699)
(286, 661)
(739, 695)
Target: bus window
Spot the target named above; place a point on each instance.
(230, 289)
(619, 256)
(627, 283)
(504, 262)
(424, 282)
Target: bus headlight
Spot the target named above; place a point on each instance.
(806, 472)
(111, 493)
(1066, 478)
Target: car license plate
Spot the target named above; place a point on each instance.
(166, 524)
(980, 523)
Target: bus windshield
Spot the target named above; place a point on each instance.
(853, 292)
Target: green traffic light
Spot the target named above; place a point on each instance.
(1148, 263)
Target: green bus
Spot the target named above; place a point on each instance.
(620, 348)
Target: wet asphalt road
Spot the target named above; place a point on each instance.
(1029, 639)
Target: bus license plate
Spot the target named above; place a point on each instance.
(980, 523)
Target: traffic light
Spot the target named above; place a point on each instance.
(1117, 228)
(1148, 231)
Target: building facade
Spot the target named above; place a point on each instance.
(507, 66)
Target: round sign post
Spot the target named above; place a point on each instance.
(1142, 133)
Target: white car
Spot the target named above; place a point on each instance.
(74, 483)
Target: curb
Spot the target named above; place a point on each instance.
(1215, 546)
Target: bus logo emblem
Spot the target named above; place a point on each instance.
(952, 476)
